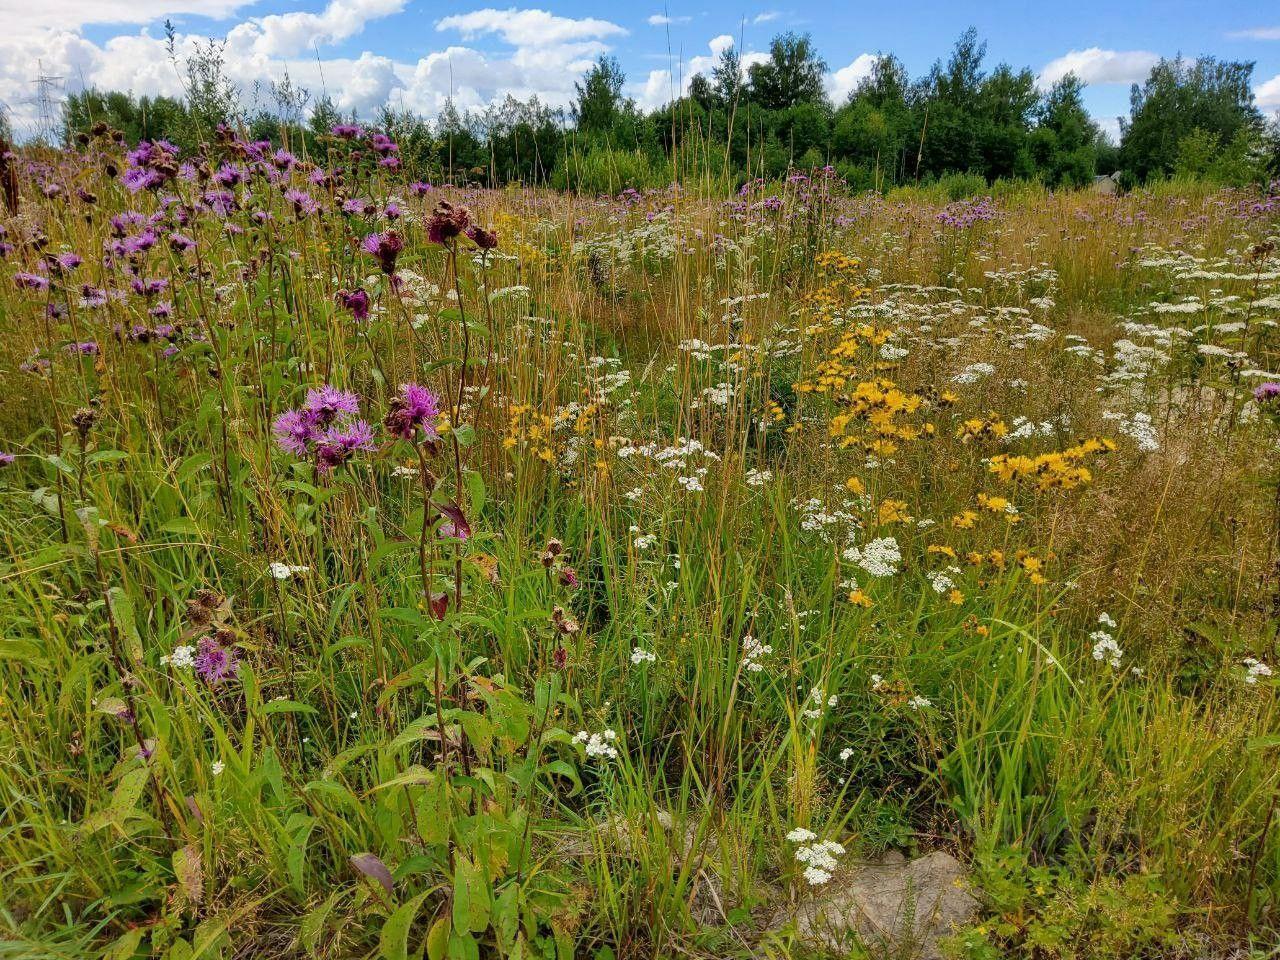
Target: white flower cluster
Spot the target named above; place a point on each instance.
(753, 652)
(758, 478)
(818, 856)
(817, 701)
(599, 746)
(1104, 644)
(283, 571)
(1253, 669)
(879, 558)
(919, 703)
(639, 655)
(182, 658)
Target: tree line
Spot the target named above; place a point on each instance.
(960, 120)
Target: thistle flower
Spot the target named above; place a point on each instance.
(482, 238)
(295, 431)
(1266, 392)
(327, 403)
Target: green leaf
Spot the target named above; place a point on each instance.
(272, 707)
(438, 939)
(470, 896)
(393, 944)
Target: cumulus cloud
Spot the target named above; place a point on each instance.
(662, 20)
(289, 34)
(660, 87)
(1097, 66)
(1268, 94)
(842, 82)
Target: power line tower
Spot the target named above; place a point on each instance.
(48, 103)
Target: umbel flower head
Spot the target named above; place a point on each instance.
(414, 408)
(447, 222)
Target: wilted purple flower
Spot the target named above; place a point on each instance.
(215, 663)
(482, 238)
(447, 222)
(357, 301)
(416, 408)
(386, 246)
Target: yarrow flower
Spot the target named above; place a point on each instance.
(1255, 669)
(598, 746)
(818, 857)
(640, 655)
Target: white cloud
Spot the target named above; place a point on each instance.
(766, 16)
(662, 20)
(529, 28)
(1268, 94)
(1097, 66)
(659, 87)
(1256, 33)
(841, 83)
(290, 34)
(21, 17)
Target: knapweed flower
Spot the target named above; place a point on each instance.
(216, 663)
(7, 459)
(31, 281)
(303, 203)
(482, 238)
(357, 301)
(1266, 392)
(447, 222)
(386, 247)
(341, 442)
(415, 408)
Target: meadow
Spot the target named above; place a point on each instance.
(397, 570)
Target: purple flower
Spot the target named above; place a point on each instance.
(303, 203)
(386, 246)
(326, 403)
(1266, 391)
(66, 262)
(31, 281)
(88, 348)
(6, 459)
(446, 222)
(340, 442)
(416, 408)
(214, 662)
(418, 188)
(355, 206)
(180, 242)
(347, 131)
(357, 301)
(295, 431)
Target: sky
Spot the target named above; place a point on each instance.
(417, 53)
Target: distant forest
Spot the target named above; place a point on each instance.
(962, 120)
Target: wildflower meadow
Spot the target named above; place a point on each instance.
(390, 569)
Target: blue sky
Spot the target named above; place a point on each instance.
(416, 53)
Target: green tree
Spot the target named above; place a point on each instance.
(1208, 95)
(793, 74)
(599, 97)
